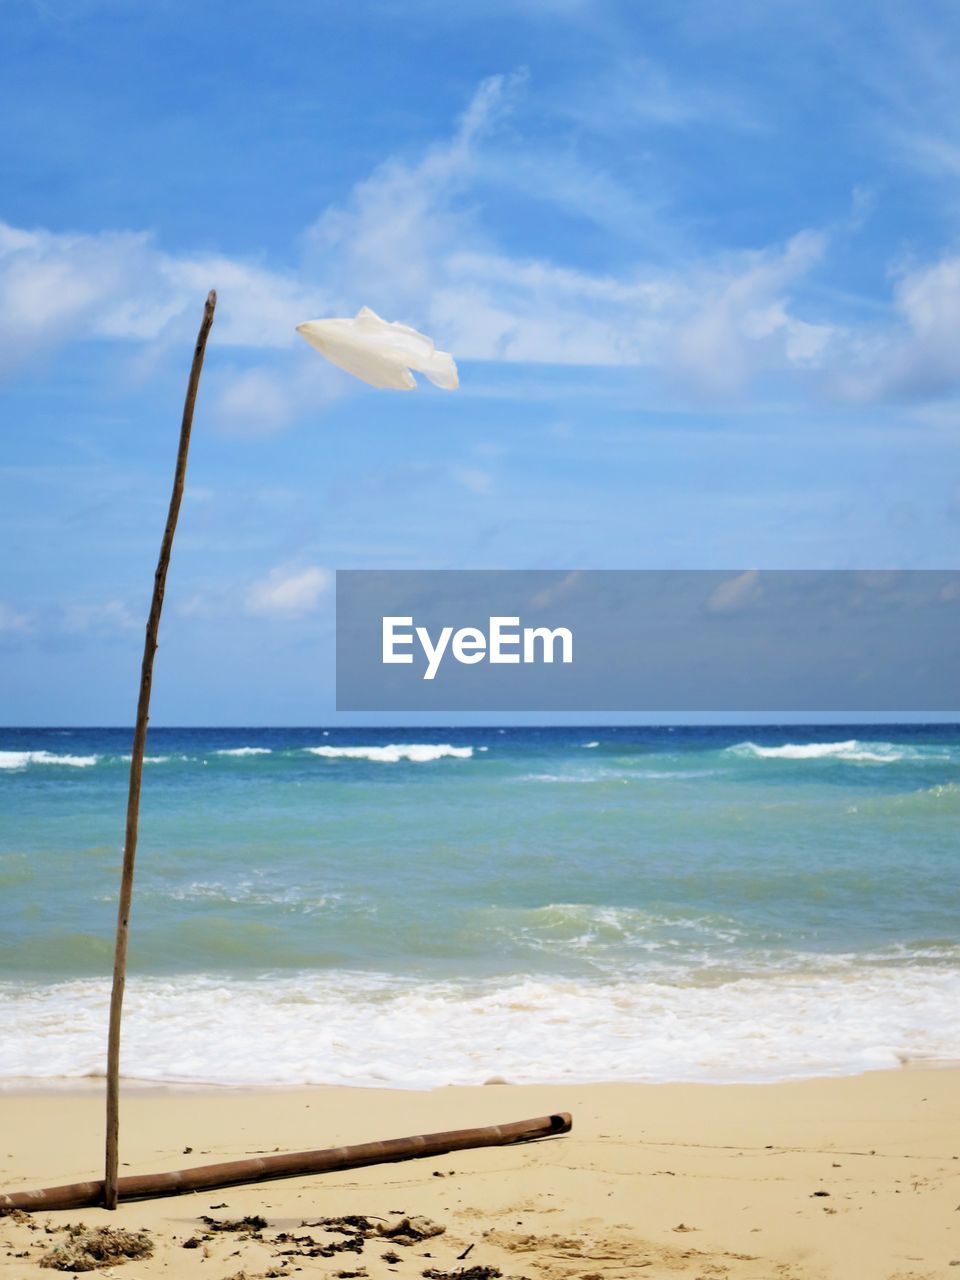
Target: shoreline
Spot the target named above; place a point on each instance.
(83, 1086)
(855, 1176)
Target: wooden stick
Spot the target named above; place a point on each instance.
(208, 1177)
(109, 1186)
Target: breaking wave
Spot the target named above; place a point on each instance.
(375, 1029)
(416, 752)
(22, 759)
(852, 750)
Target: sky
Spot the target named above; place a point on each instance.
(699, 266)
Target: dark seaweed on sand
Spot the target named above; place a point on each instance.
(89, 1249)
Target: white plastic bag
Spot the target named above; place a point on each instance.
(379, 352)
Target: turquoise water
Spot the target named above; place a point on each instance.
(427, 906)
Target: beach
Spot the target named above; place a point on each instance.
(849, 1178)
(732, 953)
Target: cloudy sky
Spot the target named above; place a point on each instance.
(699, 266)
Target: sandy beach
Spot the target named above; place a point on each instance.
(852, 1177)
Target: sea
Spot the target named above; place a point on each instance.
(426, 907)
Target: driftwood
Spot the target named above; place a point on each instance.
(136, 766)
(293, 1164)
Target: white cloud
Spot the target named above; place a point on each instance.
(10, 620)
(201, 604)
(714, 326)
(100, 619)
(734, 594)
(910, 69)
(59, 287)
(54, 286)
(264, 398)
(390, 240)
(743, 323)
(103, 619)
(411, 247)
(929, 300)
(256, 307)
(918, 357)
(288, 593)
(635, 93)
(548, 596)
(400, 247)
(473, 479)
(257, 397)
(411, 241)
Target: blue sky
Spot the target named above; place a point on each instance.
(699, 266)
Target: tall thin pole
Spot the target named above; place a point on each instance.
(136, 767)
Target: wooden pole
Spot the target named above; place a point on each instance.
(109, 1186)
(293, 1164)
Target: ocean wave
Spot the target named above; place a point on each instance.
(244, 892)
(943, 791)
(605, 936)
(415, 752)
(22, 759)
(369, 1029)
(558, 777)
(852, 750)
(613, 774)
(243, 751)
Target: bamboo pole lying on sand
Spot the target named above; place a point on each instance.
(292, 1164)
(111, 1158)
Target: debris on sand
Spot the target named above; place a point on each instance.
(465, 1273)
(357, 1230)
(247, 1226)
(349, 1232)
(87, 1249)
(307, 1247)
(254, 1275)
(349, 1224)
(17, 1215)
(272, 1273)
(410, 1230)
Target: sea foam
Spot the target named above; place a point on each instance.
(852, 749)
(367, 1029)
(22, 759)
(416, 752)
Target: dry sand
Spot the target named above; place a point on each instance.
(856, 1178)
